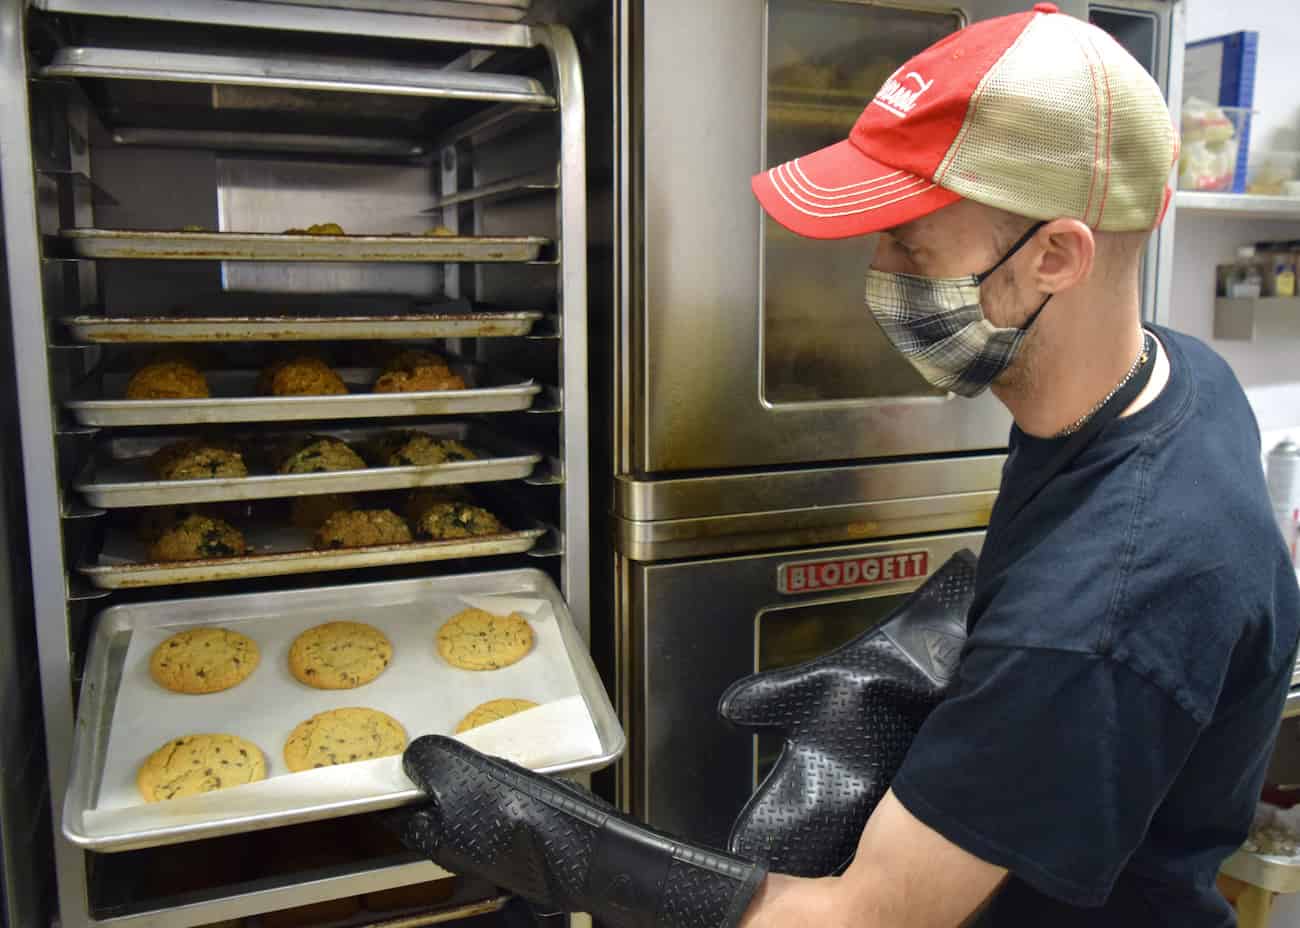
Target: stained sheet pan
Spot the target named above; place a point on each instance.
(411, 326)
(124, 715)
(118, 473)
(101, 400)
(124, 563)
(267, 246)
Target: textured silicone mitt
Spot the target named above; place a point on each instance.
(848, 718)
(561, 848)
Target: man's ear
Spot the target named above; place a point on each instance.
(1068, 249)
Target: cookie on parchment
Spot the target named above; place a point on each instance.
(203, 660)
(339, 655)
(194, 764)
(494, 710)
(341, 736)
(478, 640)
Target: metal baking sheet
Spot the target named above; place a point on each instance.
(155, 329)
(504, 10)
(233, 400)
(283, 549)
(119, 475)
(123, 715)
(265, 246)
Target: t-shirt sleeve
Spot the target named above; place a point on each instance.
(1049, 763)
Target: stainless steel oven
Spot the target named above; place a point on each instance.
(699, 625)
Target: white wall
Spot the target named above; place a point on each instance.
(1270, 372)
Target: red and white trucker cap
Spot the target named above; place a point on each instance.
(1037, 113)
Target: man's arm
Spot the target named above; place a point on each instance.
(905, 875)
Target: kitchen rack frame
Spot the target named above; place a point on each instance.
(41, 422)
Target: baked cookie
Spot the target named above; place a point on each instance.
(341, 736)
(203, 660)
(357, 528)
(478, 640)
(425, 450)
(308, 512)
(442, 521)
(319, 455)
(301, 376)
(419, 500)
(167, 380)
(494, 710)
(339, 655)
(419, 380)
(196, 537)
(198, 459)
(412, 359)
(194, 764)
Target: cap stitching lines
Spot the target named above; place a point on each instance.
(1110, 128)
(1096, 133)
(774, 178)
(973, 106)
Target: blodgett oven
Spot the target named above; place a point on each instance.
(773, 459)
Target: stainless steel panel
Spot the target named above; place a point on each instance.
(680, 538)
(502, 10)
(694, 629)
(278, 552)
(118, 474)
(679, 517)
(813, 487)
(262, 246)
(103, 678)
(234, 400)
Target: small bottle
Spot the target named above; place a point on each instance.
(1283, 275)
(1246, 282)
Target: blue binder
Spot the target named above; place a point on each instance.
(1222, 69)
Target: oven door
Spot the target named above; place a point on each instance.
(698, 626)
(745, 345)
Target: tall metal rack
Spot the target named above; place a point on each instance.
(497, 161)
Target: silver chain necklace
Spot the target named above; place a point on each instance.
(1137, 365)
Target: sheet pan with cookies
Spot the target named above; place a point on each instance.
(214, 715)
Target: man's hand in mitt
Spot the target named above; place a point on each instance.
(848, 718)
(561, 848)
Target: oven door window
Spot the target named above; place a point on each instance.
(792, 635)
(826, 59)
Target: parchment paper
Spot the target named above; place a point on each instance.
(421, 690)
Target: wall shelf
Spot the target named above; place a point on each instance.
(1256, 318)
(1240, 205)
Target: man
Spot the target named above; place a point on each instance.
(1135, 616)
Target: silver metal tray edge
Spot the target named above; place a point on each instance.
(268, 246)
(308, 560)
(151, 329)
(506, 397)
(99, 695)
(514, 462)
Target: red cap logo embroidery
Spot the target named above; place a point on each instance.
(899, 96)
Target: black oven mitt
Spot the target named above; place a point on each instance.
(561, 848)
(848, 717)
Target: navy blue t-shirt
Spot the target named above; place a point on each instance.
(1131, 644)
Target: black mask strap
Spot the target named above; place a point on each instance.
(1020, 243)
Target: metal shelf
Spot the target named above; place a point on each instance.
(280, 893)
(540, 182)
(1240, 205)
(1256, 318)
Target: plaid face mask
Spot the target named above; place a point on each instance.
(937, 324)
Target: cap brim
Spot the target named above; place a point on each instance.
(839, 192)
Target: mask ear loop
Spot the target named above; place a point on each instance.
(1020, 243)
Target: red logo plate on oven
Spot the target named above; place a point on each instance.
(836, 574)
